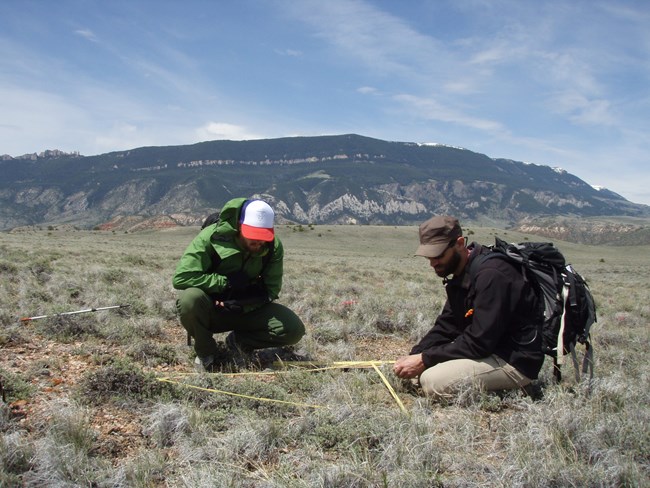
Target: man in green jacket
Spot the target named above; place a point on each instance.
(229, 277)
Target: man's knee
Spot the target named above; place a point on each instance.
(190, 300)
(194, 309)
(289, 328)
(294, 331)
(445, 379)
(437, 384)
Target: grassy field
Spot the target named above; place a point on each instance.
(85, 405)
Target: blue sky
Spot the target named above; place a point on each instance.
(560, 83)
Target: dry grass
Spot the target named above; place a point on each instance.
(85, 407)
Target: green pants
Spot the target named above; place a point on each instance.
(271, 325)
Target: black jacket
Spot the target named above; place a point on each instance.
(496, 313)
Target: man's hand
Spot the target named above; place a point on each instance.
(409, 366)
(231, 306)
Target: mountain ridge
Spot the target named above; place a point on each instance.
(338, 179)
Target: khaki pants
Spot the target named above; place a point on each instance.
(490, 373)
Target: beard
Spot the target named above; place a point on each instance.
(450, 266)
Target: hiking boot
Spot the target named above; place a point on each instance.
(534, 390)
(234, 345)
(241, 354)
(204, 364)
(268, 358)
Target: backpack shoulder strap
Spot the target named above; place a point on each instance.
(476, 262)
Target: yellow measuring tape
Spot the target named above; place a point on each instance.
(288, 366)
(390, 389)
(241, 395)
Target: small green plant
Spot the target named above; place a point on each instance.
(120, 379)
(67, 328)
(16, 453)
(70, 425)
(15, 386)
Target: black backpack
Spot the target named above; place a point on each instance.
(569, 308)
(213, 218)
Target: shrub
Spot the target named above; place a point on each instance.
(120, 379)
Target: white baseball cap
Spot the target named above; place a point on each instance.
(257, 221)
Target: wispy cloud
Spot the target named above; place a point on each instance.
(295, 53)
(362, 32)
(87, 34)
(431, 109)
(500, 52)
(582, 110)
(367, 90)
(626, 12)
(224, 130)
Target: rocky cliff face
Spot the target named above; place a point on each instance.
(592, 231)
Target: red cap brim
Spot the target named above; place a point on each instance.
(257, 233)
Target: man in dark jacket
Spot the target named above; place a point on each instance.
(487, 332)
(229, 277)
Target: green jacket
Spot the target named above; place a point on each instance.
(218, 243)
